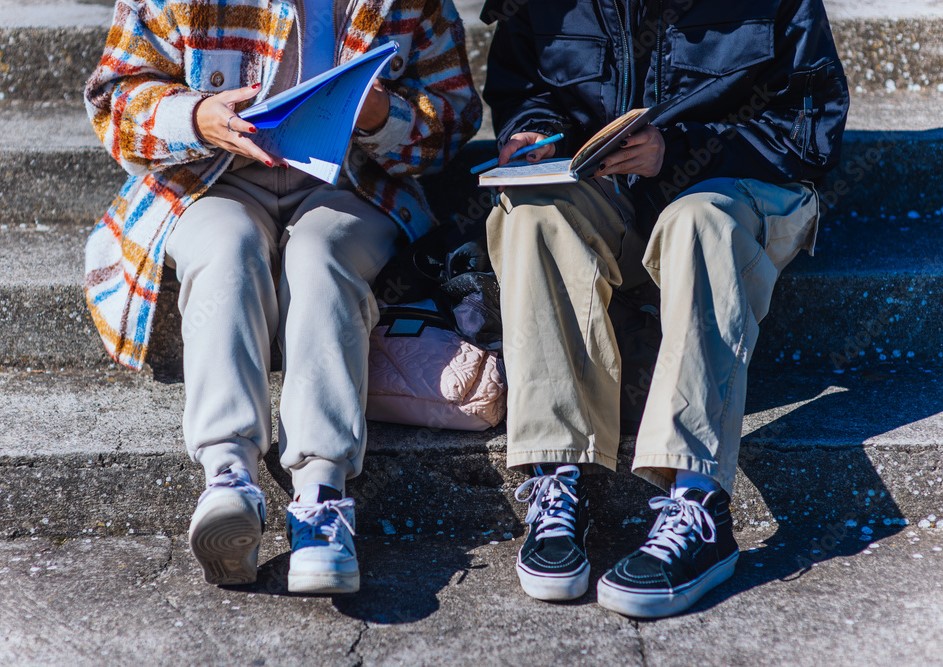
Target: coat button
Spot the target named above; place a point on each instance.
(405, 214)
(396, 64)
(217, 79)
(193, 153)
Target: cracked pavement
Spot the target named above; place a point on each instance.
(141, 600)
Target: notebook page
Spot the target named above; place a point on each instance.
(273, 110)
(315, 136)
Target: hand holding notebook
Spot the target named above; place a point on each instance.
(309, 126)
(584, 164)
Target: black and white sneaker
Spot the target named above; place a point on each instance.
(552, 564)
(689, 551)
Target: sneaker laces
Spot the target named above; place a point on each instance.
(241, 482)
(679, 522)
(552, 502)
(323, 517)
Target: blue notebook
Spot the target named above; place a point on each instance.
(310, 125)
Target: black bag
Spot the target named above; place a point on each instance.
(458, 278)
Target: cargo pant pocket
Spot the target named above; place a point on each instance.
(790, 216)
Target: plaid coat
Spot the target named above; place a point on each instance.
(163, 56)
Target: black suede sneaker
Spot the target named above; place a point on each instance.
(552, 563)
(689, 551)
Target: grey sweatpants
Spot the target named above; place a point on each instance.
(269, 252)
(715, 252)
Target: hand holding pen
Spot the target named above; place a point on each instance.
(533, 145)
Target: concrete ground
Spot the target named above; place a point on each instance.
(142, 601)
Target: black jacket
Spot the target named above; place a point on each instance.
(774, 107)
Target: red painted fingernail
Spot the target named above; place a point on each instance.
(269, 163)
(256, 86)
(253, 130)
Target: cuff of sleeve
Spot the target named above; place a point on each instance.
(545, 127)
(174, 119)
(395, 132)
(675, 149)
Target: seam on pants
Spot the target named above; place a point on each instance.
(586, 325)
(590, 414)
(743, 327)
(753, 262)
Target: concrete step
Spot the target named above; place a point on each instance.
(458, 602)
(50, 148)
(869, 298)
(52, 46)
(100, 453)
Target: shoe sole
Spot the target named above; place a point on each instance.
(554, 589)
(225, 538)
(658, 604)
(324, 583)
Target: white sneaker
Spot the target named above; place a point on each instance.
(323, 558)
(226, 529)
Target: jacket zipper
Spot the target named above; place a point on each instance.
(659, 46)
(802, 128)
(623, 97)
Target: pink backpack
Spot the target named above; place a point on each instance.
(422, 373)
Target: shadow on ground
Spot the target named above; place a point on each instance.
(834, 504)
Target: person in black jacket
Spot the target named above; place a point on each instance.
(711, 201)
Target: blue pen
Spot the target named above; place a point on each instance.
(518, 153)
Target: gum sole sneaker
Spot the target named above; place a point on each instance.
(689, 551)
(320, 529)
(552, 563)
(225, 533)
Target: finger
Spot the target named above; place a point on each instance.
(540, 153)
(642, 155)
(230, 97)
(635, 140)
(510, 148)
(631, 165)
(246, 147)
(613, 159)
(236, 124)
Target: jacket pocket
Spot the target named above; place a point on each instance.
(213, 70)
(721, 48)
(566, 60)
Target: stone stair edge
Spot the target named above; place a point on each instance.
(62, 496)
(880, 171)
(81, 413)
(60, 126)
(878, 54)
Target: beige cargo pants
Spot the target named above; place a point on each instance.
(715, 252)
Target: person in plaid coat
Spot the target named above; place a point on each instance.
(262, 250)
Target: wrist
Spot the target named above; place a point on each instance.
(371, 123)
(196, 120)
